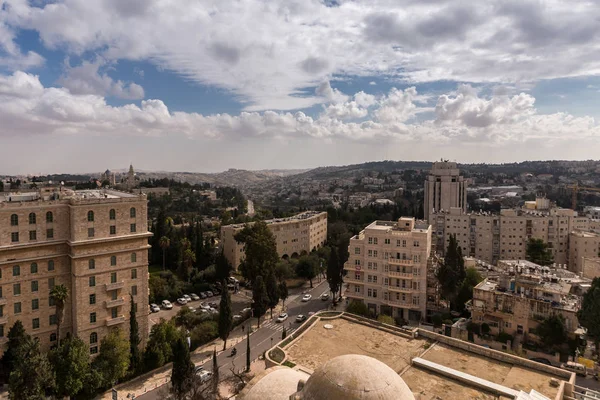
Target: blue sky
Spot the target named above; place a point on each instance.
(210, 85)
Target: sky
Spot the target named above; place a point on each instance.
(208, 85)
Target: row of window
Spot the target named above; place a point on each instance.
(112, 214)
(113, 278)
(14, 236)
(399, 243)
(16, 271)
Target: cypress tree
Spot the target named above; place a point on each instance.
(225, 315)
(135, 360)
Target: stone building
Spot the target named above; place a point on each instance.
(387, 268)
(301, 233)
(445, 188)
(582, 245)
(95, 242)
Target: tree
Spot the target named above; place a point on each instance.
(260, 250)
(589, 314)
(158, 350)
(135, 357)
(215, 377)
(272, 292)
(189, 258)
(451, 273)
(307, 268)
(283, 292)
(183, 369)
(358, 308)
(538, 252)
(552, 331)
(16, 338)
(164, 244)
(334, 277)
(222, 268)
(283, 333)
(31, 376)
(71, 364)
(112, 361)
(465, 293)
(248, 350)
(225, 315)
(260, 298)
(59, 294)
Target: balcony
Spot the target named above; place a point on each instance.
(115, 321)
(351, 279)
(397, 261)
(115, 286)
(3, 301)
(400, 303)
(115, 303)
(3, 319)
(402, 289)
(407, 275)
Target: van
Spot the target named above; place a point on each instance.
(579, 369)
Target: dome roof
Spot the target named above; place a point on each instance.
(354, 376)
(277, 383)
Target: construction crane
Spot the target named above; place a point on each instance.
(575, 189)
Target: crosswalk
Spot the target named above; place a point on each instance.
(278, 326)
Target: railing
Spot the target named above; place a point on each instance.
(398, 303)
(402, 289)
(115, 285)
(352, 279)
(400, 261)
(115, 303)
(407, 275)
(115, 321)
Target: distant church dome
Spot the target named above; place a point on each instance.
(354, 377)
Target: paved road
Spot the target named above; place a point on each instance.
(263, 338)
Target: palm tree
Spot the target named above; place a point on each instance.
(164, 244)
(59, 294)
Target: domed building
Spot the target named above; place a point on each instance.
(347, 377)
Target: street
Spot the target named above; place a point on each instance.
(262, 339)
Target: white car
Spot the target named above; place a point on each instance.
(187, 298)
(205, 306)
(204, 375)
(182, 301)
(325, 296)
(154, 308)
(166, 304)
(192, 309)
(306, 297)
(194, 296)
(282, 317)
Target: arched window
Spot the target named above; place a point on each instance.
(90, 216)
(112, 214)
(133, 257)
(51, 265)
(113, 260)
(132, 212)
(14, 220)
(32, 218)
(92, 263)
(93, 338)
(49, 217)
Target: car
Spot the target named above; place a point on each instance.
(203, 295)
(214, 304)
(306, 297)
(166, 304)
(209, 294)
(198, 369)
(204, 375)
(311, 313)
(301, 318)
(282, 317)
(194, 296)
(192, 309)
(213, 311)
(541, 360)
(182, 301)
(203, 311)
(187, 298)
(579, 369)
(233, 280)
(204, 306)
(154, 308)
(325, 296)
(237, 317)
(247, 310)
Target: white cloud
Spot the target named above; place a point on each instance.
(87, 79)
(330, 94)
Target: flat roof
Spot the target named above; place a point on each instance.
(295, 218)
(58, 193)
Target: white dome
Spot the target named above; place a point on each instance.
(277, 383)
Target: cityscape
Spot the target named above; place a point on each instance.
(299, 200)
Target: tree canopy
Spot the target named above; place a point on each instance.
(32, 374)
(538, 252)
(308, 268)
(135, 357)
(589, 314)
(183, 368)
(260, 298)
(225, 315)
(260, 250)
(552, 331)
(71, 364)
(451, 273)
(112, 361)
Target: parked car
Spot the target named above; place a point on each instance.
(166, 304)
(192, 309)
(306, 297)
(214, 304)
(198, 369)
(579, 369)
(204, 306)
(282, 317)
(209, 294)
(187, 298)
(154, 308)
(203, 295)
(213, 311)
(194, 296)
(233, 280)
(247, 310)
(204, 375)
(325, 296)
(541, 360)
(301, 318)
(237, 317)
(182, 301)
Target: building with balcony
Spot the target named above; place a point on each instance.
(304, 232)
(387, 268)
(95, 242)
(445, 188)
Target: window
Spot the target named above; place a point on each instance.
(374, 240)
(51, 265)
(113, 277)
(398, 243)
(32, 218)
(17, 308)
(374, 253)
(90, 232)
(113, 230)
(49, 217)
(35, 323)
(416, 243)
(132, 228)
(90, 216)
(114, 312)
(370, 240)
(32, 235)
(133, 257)
(16, 270)
(34, 286)
(14, 237)
(35, 304)
(113, 295)
(92, 281)
(92, 318)
(0, 292)
(356, 289)
(134, 290)
(53, 337)
(357, 250)
(50, 283)
(113, 260)
(93, 338)
(112, 214)
(134, 273)
(92, 264)
(404, 243)
(357, 276)
(52, 319)
(92, 298)
(16, 289)
(50, 233)
(94, 350)
(370, 253)
(132, 212)
(357, 262)
(387, 241)
(34, 268)
(14, 220)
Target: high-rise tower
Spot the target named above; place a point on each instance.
(444, 188)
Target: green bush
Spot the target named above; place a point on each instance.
(289, 364)
(386, 319)
(485, 329)
(204, 333)
(503, 337)
(277, 355)
(474, 328)
(358, 308)
(437, 320)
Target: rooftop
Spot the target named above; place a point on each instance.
(61, 193)
(295, 218)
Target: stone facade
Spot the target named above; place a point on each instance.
(94, 242)
(445, 188)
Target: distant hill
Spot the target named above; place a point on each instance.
(231, 177)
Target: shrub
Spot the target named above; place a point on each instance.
(277, 355)
(485, 329)
(474, 328)
(204, 333)
(358, 308)
(386, 319)
(437, 320)
(289, 364)
(503, 337)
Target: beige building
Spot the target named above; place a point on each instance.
(387, 268)
(95, 242)
(582, 245)
(445, 188)
(303, 232)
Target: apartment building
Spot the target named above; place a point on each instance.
(582, 245)
(95, 242)
(301, 233)
(387, 268)
(445, 188)
(523, 294)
